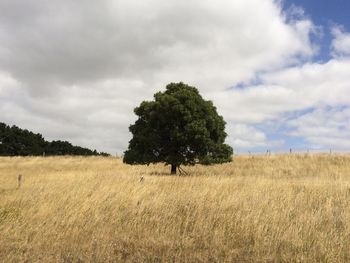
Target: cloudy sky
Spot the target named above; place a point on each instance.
(278, 71)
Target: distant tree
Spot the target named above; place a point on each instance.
(178, 128)
(105, 154)
(18, 142)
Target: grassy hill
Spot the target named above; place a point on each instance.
(278, 208)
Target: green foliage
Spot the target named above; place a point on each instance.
(17, 142)
(179, 128)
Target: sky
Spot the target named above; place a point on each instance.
(277, 71)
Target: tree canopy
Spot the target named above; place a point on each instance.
(178, 128)
(15, 141)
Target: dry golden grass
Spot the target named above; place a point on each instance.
(284, 208)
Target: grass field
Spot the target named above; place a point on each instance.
(278, 208)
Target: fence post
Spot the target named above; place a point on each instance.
(19, 179)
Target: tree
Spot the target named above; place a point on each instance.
(15, 141)
(178, 128)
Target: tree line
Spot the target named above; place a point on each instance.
(15, 141)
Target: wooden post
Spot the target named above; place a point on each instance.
(19, 179)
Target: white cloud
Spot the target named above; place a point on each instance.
(324, 128)
(341, 42)
(287, 92)
(314, 83)
(96, 115)
(7, 84)
(242, 136)
(75, 70)
(152, 41)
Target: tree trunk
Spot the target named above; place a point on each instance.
(173, 169)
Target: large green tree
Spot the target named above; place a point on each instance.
(178, 128)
